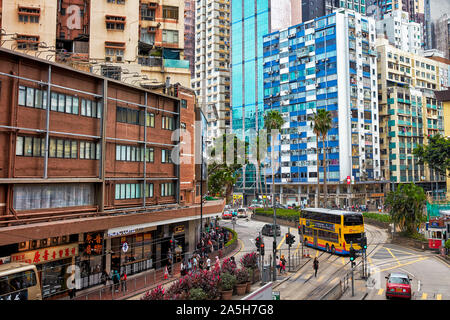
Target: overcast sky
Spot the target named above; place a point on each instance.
(439, 7)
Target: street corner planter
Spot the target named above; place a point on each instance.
(248, 287)
(241, 288)
(226, 294)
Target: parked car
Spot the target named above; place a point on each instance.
(242, 213)
(398, 285)
(227, 215)
(267, 230)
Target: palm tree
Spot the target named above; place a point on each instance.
(406, 207)
(273, 121)
(321, 124)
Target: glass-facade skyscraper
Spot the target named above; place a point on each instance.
(250, 21)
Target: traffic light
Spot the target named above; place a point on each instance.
(258, 243)
(290, 239)
(352, 255)
(364, 243)
(299, 229)
(172, 245)
(261, 248)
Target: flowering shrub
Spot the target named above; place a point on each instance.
(250, 260)
(155, 294)
(241, 275)
(228, 266)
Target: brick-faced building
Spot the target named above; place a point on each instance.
(106, 195)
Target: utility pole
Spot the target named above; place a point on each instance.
(274, 229)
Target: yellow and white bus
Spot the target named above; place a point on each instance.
(19, 281)
(331, 230)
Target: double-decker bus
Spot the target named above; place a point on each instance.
(332, 230)
(19, 281)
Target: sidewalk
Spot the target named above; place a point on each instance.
(136, 285)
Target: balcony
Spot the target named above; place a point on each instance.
(150, 61)
(173, 63)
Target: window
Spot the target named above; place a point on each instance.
(166, 156)
(170, 36)
(61, 148)
(90, 150)
(170, 12)
(147, 13)
(131, 116)
(114, 49)
(132, 153)
(42, 196)
(150, 120)
(183, 103)
(27, 42)
(91, 108)
(168, 123)
(167, 189)
(32, 97)
(115, 22)
(30, 146)
(27, 14)
(128, 191)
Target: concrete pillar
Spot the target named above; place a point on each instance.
(338, 191)
(192, 234)
(108, 255)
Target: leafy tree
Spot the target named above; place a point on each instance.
(272, 121)
(222, 175)
(321, 124)
(436, 154)
(406, 205)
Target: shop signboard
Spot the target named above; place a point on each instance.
(93, 243)
(45, 255)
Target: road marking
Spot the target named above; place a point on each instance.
(298, 246)
(343, 261)
(281, 242)
(380, 292)
(439, 297)
(296, 276)
(317, 254)
(390, 252)
(424, 296)
(320, 278)
(401, 265)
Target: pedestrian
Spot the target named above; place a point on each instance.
(315, 266)
(182, 268)
(189, 265)
(116, 280)
(208, 264)
(169, 267)
(123, 280)
(283, 263)
(278, 264)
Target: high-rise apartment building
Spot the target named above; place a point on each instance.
(318, 8)
(409, 114)
(212, 64)
(401, 32)
(418, 11)
(326, 63)
(441, 34)
(189, 34)
(135, 41)
(250, 21)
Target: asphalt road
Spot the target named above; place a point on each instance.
(431, 276)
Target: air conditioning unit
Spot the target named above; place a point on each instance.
(108, 59)
(119, 59)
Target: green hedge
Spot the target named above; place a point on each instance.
(233, 240)
(377, 216)
(287, 214)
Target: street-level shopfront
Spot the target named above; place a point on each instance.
(138, 248)
(55, 264)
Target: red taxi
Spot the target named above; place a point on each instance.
(398, 285)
